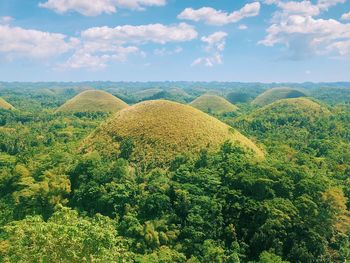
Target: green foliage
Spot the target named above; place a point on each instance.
(59, 203)
(65, 237)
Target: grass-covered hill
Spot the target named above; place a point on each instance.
(160, 130)
(213, 104)
(293, 125)
(146, 93)
(275, 94)
(173, 94)
(290, 110)
(5, 105)
(93, 101)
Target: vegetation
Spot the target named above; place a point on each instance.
(164, 182)
(93, 101)
(213, 104)
(5, 105)
(275, 94)
(161, 130)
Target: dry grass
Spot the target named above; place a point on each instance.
(275, 94)
(213, 104)
(302, 107)
(93, 101)
(162, 129)
(5, 105)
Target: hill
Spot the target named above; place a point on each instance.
(161, 129)
(5, 105)
(93, 101)
(213, 104)
(275, 94)
(285, 108)
(146, 93)
(173, 94)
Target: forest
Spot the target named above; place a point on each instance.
(177, 172)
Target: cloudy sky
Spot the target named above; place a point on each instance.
(142, 40)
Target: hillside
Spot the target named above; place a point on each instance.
(275, 94)
(173, 94)
(213, 104)
(146, 93)
(5, 105)
(162, 129)
(93, 101)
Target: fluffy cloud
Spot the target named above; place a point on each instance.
(88, 59)
(346, 16)
(97, 7)
(102, 45)
(212, 16)
(294, 25)
(156, 33)
(19, 42)
(5, 19)
(215, 45)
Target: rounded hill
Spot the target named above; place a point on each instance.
(298, 112)
(5, 105)
(213, 104)
(93, 101)
(160, 130)
(275, 94)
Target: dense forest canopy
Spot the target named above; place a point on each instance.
(62, 203)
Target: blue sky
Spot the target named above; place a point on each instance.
(144, 40)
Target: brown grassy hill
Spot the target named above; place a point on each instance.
(288, 111)
(5, 105)
(275, 94)
(161, 129)
(93, 101)
(213, 104)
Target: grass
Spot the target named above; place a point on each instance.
(5, 105)
(287, 108)
(213, 104)
(93, 101)
(161, 130)
(275, 94)
(142, 94)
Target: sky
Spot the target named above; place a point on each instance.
(187, 40)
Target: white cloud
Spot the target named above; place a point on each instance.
(305, 36)
(139, 4)
(325, 4)
(5, 20)
(212, 16)
(97, 7)
(242, 27)
(156, 33)
(164, 51)
(294, 25)
(215, 41)
(102, 45)
(19, 42)
(84, 59)
(346, 16)
(215, 45)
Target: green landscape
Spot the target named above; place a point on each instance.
(174, 172)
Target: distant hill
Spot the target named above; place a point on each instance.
(142, 94)
(161, 129)
(93, 101)
(275, 94)
(173, 94)
(5, 105)
(297, 112)
(213, 104)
